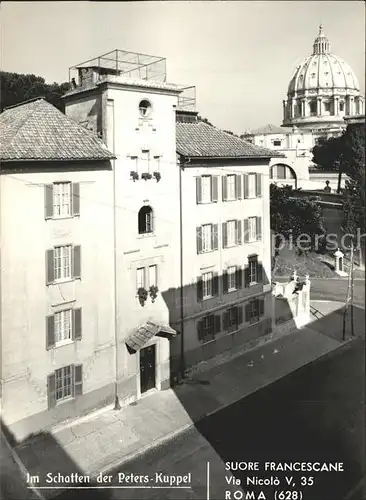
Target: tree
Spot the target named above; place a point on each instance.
(17, 87)
(204, 120)
(327, 155)
(291, 216)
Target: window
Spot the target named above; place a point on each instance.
(147, 276)
(313, 75)
(253, 271)
(153, 275)
(63, 326)
(277, 142)
(252, 227)
(65, 383)
(341, 106)
(231, 187)
(140, 278)
(63, 263)
(231, 275)
(231, 233)
(281, 172)
(207, 238)
(327, 107)
(207, 189)
(145, 108)
(252, 185)
(145, 220)
(62, 199)
(145, 161)
(313, 108)
(207, 285)
(233, 317)
(208, 327)
(254, 310)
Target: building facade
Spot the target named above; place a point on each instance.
(322, 92)
(133, 245)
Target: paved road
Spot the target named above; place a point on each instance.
(314, 414)
(336, 289)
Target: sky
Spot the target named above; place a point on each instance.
(240, 55)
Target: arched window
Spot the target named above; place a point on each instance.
(145, 220)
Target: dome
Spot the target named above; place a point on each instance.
(322, 91)
(322, 70)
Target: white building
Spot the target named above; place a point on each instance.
(322, 92)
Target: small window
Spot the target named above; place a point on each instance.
(145, 108)
(62, 263)
(64, 383)
(145, 220)
(63, 326)
(231, 278)
(277, 142)
(207, 291)
(253, 271)
(313, 75)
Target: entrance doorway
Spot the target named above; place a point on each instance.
(147, 368)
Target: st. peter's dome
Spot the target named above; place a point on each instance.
(322, 90)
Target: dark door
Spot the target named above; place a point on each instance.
(147, 368)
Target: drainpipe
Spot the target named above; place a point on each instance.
(117, 405)
(182, 357)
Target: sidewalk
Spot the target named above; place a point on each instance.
(106, 439)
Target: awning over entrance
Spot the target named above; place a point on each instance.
(146, 332)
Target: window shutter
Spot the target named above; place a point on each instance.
(224, 188)
(217, 323)
(224, 235)
(78, 380)
(76, 262)
(215, 237)
(49, 267)
(245, 186)
(199, 190)
(259, 185)
(238, 232)
(226, 321)
(199, 289)
(51, 390)
(200, 330)
(246, 276)
(199, 239)
(246, 230)
(247, 313)
(261, 307)
(238, 187)
(215, 188)
(48, 201)
(259, 272)
(240, 315)
(225, 282)
(76, 324)
(50, 331)
(259, 228)
(239, 278)
(215, 284)
(75, 198)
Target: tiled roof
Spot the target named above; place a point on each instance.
(270, 129)
(198, 139)
(36, 130)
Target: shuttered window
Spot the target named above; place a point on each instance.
(63, 263)
(62, 199)
(233, 318)
(207, 189)
(63, 326)
(254, 310)
(208, 327)
(231, 187)
(231, 275)
(207, 279)
(65, 383)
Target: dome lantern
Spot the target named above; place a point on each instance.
(321, 43)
